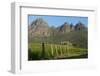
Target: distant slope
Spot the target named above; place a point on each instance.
(77, 38)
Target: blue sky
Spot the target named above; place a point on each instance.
(59, 20)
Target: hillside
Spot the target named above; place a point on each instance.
(40, 31)
(77, 38)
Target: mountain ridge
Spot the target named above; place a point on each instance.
(40, 27)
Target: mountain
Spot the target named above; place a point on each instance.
(64, 28)
(39, 27)
(80, 26)
(72, 28)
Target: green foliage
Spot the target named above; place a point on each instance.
(77, 51)
(54, 51)
(78, 38)
(34, 51)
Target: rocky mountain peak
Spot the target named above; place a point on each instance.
(80, 26)
(39, 27)
(39, 22)
(64, 28)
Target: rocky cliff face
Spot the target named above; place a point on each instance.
(80, 26)
(64, 28)
(40, 27)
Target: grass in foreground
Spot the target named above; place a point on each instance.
(55, 51)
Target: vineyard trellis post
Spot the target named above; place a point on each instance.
(43, 50)
(52, 50)
(43, 47)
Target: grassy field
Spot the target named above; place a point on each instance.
(54, 51)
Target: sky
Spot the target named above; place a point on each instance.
(59, 20)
